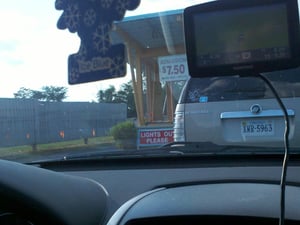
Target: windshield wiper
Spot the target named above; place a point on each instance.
(175, 149)
(97, 154)
(172, 149)
(211, 148)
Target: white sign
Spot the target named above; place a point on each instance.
(173, 68)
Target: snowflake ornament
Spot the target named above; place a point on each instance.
(72, 17)
(101, 38)
(90, 17)
(93, 21)
(106, 3)
(117, 66)
(73, 75)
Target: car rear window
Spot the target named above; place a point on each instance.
(241, 88)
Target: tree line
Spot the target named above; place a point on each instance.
(47, 93)
(58, 94)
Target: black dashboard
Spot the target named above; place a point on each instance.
(31, 195)
(215, 219)
(212, 203)
(137, 191)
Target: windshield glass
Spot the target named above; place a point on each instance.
(50, 111)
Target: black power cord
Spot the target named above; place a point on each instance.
(286, 154)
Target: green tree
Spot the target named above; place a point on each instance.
(48, 93)
(23, 93)
(38, 95)
(106, 96)
(29, 93)
(124, 95)
(54, 94)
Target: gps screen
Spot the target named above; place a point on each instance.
(240, 36)
(230, 37)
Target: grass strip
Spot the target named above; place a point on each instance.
(57, 146)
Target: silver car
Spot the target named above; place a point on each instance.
(239, 111)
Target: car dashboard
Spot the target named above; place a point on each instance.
(137, 191)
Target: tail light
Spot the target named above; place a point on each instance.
(179, 135)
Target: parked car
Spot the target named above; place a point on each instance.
(238, 110)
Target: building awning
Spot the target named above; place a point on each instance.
(152, 31)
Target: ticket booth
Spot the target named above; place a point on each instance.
(156, 56)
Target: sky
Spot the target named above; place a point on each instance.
(34, 53)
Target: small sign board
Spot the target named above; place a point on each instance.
(148, 137)
(173, 68)
(97, 67)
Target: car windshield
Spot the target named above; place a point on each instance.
(90, 79)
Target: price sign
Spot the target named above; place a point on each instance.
(173, 68)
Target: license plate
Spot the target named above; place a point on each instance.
(257, 128)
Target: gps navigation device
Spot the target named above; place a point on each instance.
(229, 37)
